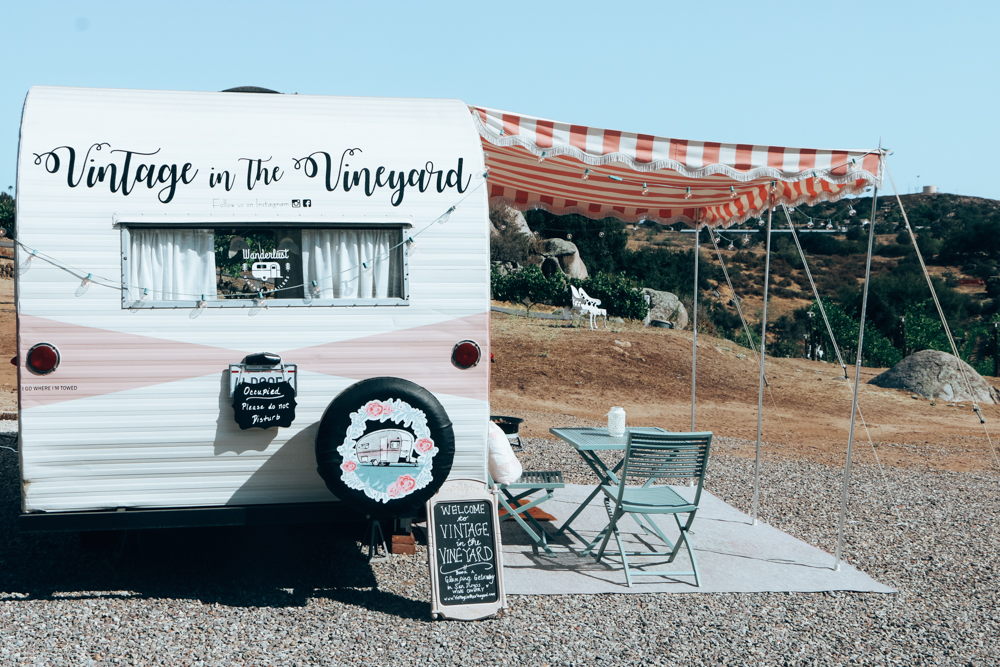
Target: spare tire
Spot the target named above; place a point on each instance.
(385, 446)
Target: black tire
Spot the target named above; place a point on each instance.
(345, 410)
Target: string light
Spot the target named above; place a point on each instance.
(732, 192)
(26, 264)
(731, 246)
(446, 216)
(569, 237)
(367, 268)
(237, 244)
(586, 174)
(616, 178)
(851, 212)
(746, 239)
(688, 195)
(810, 223)
(541, 158)
(829, 225)
(601, 234)
(645, 189)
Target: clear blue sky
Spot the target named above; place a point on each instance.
(921, 75)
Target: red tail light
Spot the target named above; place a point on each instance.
(466, 354)
(43, 358)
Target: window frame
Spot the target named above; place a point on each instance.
(152, 304)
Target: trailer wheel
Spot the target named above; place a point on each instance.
(354, 421)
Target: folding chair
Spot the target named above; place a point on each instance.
(528, 483)
(651, 457)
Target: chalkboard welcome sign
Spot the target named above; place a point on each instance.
(464, 552)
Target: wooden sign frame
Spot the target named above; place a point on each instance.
(464, 491)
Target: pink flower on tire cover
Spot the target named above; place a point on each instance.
(406, 483)
(349, 466)
(374, 409)
(423, 445)
(393, 489)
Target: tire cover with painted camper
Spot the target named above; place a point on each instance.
(385, 445)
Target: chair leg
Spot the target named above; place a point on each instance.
(540, 540)
(687, 545)
(612, 527)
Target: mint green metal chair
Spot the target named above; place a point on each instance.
(650, 457)
(528, 483)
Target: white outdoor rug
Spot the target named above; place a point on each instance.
(733, 555)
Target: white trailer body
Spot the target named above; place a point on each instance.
(116, 190)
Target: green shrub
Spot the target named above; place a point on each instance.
(619, 295)
(529, 283)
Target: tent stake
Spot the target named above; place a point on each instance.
(763, 355)
(857, 382)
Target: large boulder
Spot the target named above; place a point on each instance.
(568, 256)
(937, 375)
(667, 307)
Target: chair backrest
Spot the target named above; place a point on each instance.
(589, 299)
(653, 456)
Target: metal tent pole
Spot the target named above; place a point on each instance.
(763, 355)
(694, 320)
(857, 383)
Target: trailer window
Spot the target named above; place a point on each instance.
(169, 267)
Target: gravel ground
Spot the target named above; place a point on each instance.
(299, 595)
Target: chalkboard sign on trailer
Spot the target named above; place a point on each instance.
(264, 404)
(464, 552)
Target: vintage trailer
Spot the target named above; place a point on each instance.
(225, 299)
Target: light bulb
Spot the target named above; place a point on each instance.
(541, 158)
(601, 235)
(829, 225)
(202, 303)
(645, 189)
(731, 246)
(367, 268)
(503, 227)
(865, 221)
(586, 174)
(732, 192)
(851, 212)
(569, 237)
(84, 285)
(688, 195)
(810, 223)
(760, 222)
(746, 239)
(447, 214)
(26, 264)
(145, 293)
(791, 209)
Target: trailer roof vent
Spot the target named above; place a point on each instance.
(250, 89)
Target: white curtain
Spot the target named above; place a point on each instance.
(173, 264)
(335, 259)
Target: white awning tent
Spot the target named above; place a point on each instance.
(534, 163)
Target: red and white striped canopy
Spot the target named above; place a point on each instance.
(562, 168)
